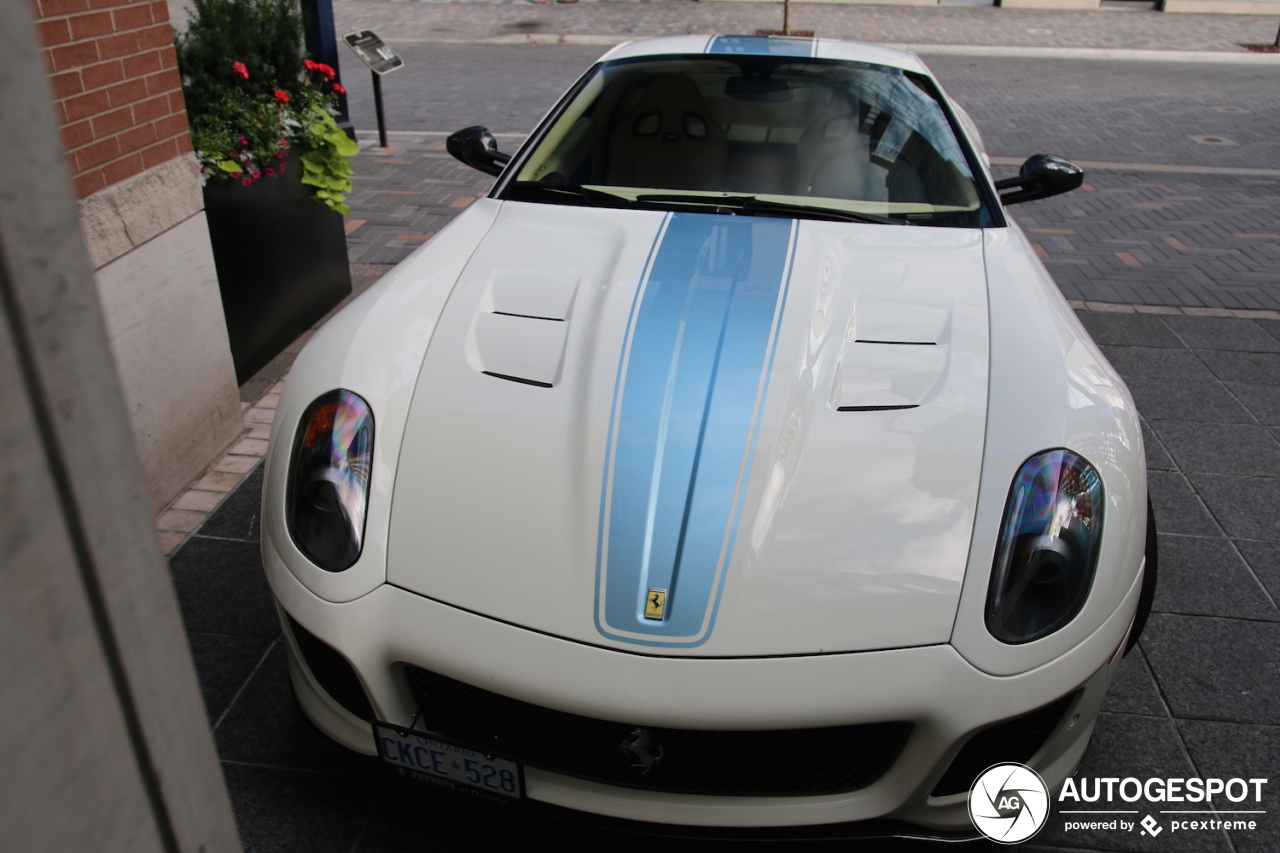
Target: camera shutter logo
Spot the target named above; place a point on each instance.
(1009, 803)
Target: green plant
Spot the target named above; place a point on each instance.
(252, 98)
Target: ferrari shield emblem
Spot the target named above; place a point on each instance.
(656, 604)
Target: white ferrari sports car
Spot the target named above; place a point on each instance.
(733, 463)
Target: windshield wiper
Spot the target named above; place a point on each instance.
(575, 190)
(751, 204)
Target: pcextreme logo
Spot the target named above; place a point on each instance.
(1009, 803)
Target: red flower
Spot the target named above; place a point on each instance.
(282, 96)
(240, 70)
(326, 70)
(339, 88)
(309, 65)
(271, 173)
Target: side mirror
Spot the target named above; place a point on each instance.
(1042, 175)
(476, 147)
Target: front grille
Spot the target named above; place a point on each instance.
(332, 671)
(789, 761)
(1015, 740)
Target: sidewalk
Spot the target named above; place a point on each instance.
(1108, 28)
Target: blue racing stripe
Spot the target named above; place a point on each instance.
(684, 422)
(768, 45)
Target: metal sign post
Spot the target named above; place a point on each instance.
(377, 103)
(381, 60)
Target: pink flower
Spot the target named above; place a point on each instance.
(282, 96)
(240, 70)
(339, 88)
(235, 175)
(244, 141)
(247, 182)
(271, 173)
(282, 168)
(279, 155)
(256, 174)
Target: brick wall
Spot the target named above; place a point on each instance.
(116, 89)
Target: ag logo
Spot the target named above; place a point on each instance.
(1009, 803)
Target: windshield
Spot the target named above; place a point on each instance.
(766, 135)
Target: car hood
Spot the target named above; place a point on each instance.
(767, 431)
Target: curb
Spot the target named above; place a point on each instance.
(1184, 311)
(187, 514)
(1243, 57)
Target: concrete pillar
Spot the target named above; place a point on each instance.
(105, 744)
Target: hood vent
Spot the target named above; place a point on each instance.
(520, 330)
(875, 377)
(893, 355)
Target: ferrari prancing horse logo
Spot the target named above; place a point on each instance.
(655, 604)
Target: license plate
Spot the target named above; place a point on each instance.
(431, 759)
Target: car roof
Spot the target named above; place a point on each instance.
(770, 45)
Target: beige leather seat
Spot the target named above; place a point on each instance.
(667, 139)
(834, 157)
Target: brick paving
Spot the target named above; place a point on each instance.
(403, 195)
(1162, 240)
(1175, 237)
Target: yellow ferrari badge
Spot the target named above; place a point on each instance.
(656, 604)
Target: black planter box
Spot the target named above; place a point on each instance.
(281, 259)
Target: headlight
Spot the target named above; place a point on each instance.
(1048, 547)
(328, 486)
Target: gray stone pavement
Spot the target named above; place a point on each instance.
(1200, 696)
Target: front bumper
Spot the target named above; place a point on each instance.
(944, 697)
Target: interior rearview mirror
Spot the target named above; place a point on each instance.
(759, 89)
(476, 147)
(1041, 176)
